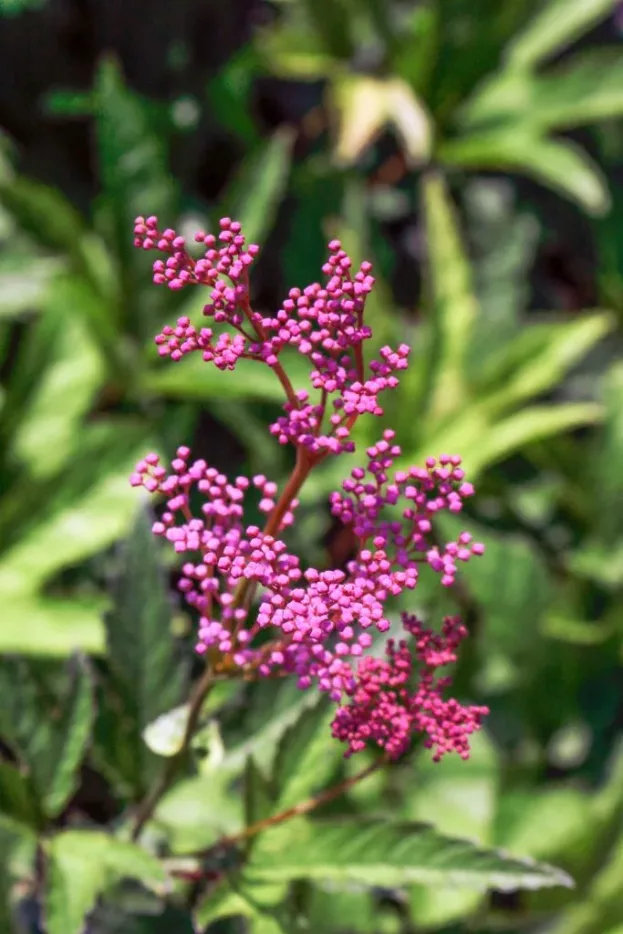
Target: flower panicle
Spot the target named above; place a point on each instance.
(317, 625)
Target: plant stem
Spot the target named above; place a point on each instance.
(298, 809)
(149, 804)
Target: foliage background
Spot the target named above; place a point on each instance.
(474, 151)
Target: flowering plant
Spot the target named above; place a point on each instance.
(320, 626)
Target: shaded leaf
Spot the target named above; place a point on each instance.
(17, 798)
(72, 737)
(256, 192)
(147, 672)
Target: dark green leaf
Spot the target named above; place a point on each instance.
(147, 671)
(72, 737)
(132, 157)
(256, 192)
(17, 798)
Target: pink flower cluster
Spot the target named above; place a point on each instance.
(315, 624)
(324, 323)
(387, 707)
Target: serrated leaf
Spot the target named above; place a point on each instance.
(453, 303)
(72, 737)
(389, 853)
(147, 672)
(305, 757)
(537, 360)
(460, 798)
(561, 166)
(82, 865)
(46, 732)
(557, 25)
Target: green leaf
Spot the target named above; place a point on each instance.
(453, 302)
(585, 89)
(382, 852)
(197, 811)
(561, 166)
(15, 839)
(143, 656)
(72, 737)
(538, 359)
(82, 865)
(51, 221)
(305, 757)
(607, 461)
(17, 797)
(555, 27)
(46, 732)
(165, 735)
(255, 194)
(86, 509)
(460, 798)
(194, 379)
(527, 426)
(24, 282)
(47, 433)
(259, 800)
(225, 901)
(51, 627)
(132, 157)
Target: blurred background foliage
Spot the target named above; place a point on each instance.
(474, 151)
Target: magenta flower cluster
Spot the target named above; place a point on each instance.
(260, 611)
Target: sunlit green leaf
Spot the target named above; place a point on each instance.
(305, 759)
(556, 26)
(389, 853)
(559, 165)
(538, 359)
(453, 306)
(81, 866)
